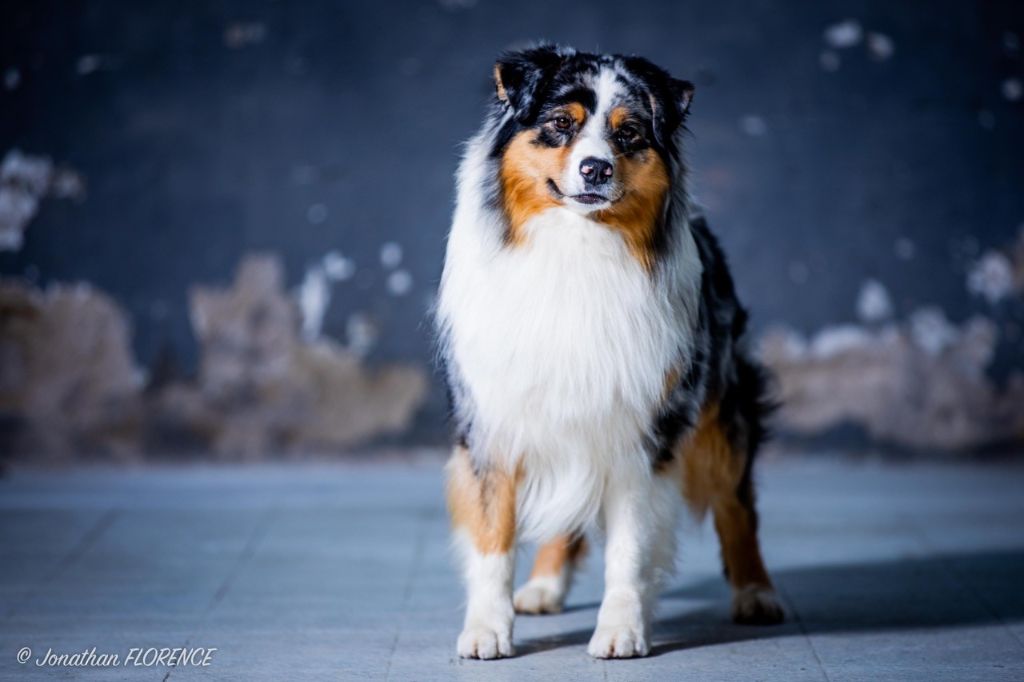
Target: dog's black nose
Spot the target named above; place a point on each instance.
(595, 171)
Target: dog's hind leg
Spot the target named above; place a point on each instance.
(716, 474)
(551, 577)
(754, 600)
(483, 511)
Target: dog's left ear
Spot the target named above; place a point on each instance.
(669, 98)
(670, 103)
(682, 91)
(519, 77)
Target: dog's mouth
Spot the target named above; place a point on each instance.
(586, 198)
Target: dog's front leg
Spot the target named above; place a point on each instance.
(482, 506)
(639, 517)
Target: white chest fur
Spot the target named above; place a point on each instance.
(563, 345)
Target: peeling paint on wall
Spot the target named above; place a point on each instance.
(849, 33)
(921, 383)
(69, 385)
(246, 128)
(67, 376)
(997, 274)
(263, 389)
(24, 181)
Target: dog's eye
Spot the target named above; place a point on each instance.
(562, 122)
(628, 135)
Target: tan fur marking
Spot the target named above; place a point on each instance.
(502, 95)
(576, 111)
(554, 555)
(654, 105)
(709, 466)
(741, 552)
(617, 117)
(671, 381)
(484, 505)
(645, 180)
(712, 473)
(525, 170)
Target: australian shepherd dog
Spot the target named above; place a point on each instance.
(594, 350)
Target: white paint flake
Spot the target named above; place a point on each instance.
(931, 331)
(844, 34)
(24, 181)
(361, 333)
(338, 267)
(391, 254)
(314, 296)
(880, 46)
(753, 125)
(873, 303)
(399, 282)
(991, 277)
(1013, 89)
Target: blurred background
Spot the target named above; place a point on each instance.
(222, 223)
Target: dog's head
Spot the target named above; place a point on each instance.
(593, 133)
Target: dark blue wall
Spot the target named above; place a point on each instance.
(196, 152)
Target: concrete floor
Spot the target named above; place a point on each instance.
(323, 572)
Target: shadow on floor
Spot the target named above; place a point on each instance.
(905, 594)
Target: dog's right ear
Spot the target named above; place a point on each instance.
(519, 77)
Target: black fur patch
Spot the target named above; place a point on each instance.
(731, 376)
(583, 95)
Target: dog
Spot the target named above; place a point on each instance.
(594, 352)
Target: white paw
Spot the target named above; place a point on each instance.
(539, 595)
(618, 641)
(478, 641)
(755, 605)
